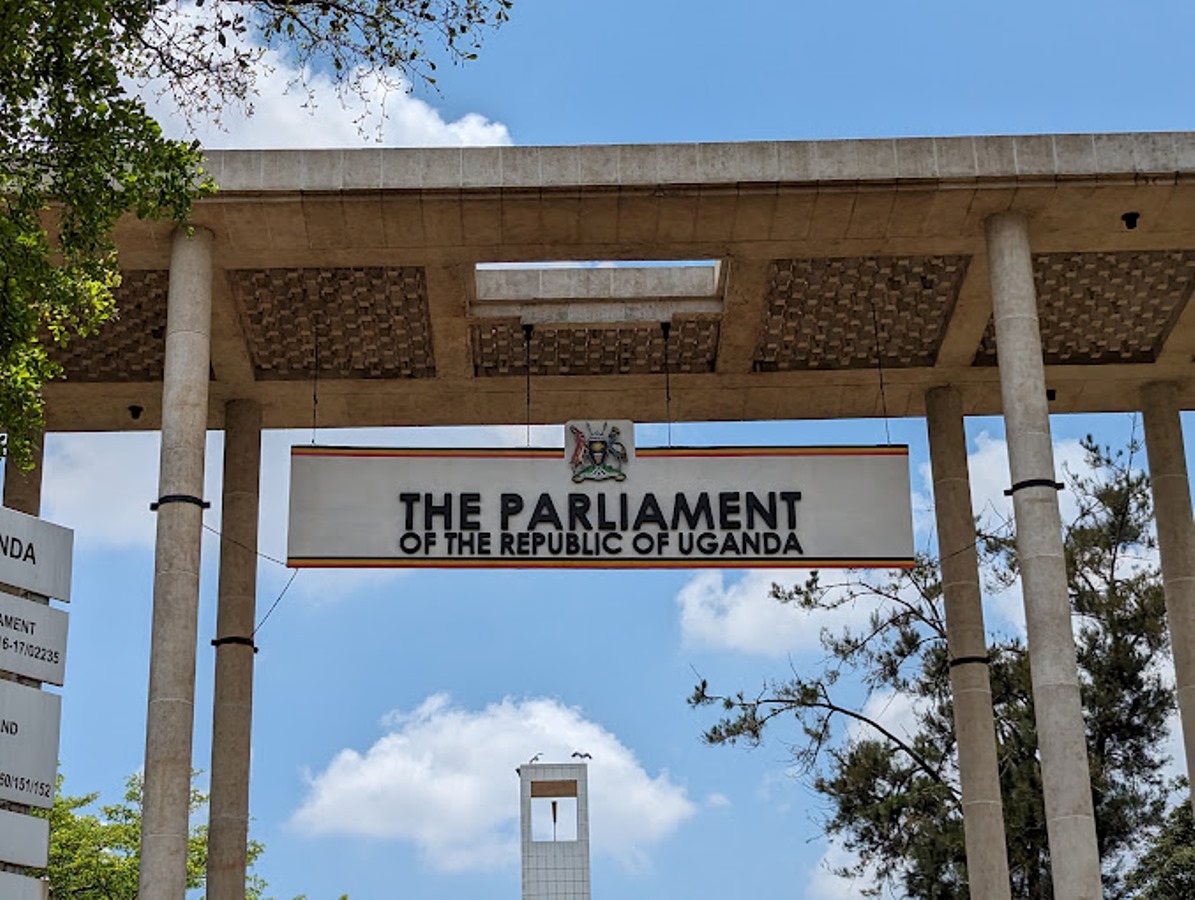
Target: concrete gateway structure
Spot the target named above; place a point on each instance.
(936, 277)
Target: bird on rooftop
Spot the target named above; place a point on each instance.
(577, 754)
(535, 758)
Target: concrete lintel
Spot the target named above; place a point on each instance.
(596, 312)
(929, 159)
(447, 302)
(746, 288)
(230, 354)
(972, 312)
(622, 282)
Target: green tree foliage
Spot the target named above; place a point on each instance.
(78, 150)
(76, 153)
(98, 856)
(1166, 871)
(893, 798)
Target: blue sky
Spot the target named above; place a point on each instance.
(391, 709)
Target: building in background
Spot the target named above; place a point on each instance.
(554, 824)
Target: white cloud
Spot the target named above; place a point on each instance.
(741, 615)
(717, 800)
(283, 117)
(897, 712)
(101, 485)
(824, 884)
(443, 778)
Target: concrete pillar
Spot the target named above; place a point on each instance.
(1176, 542)
(170, 717)
(1062, 745)
(22, 490)
(232, 708)
(979, 776)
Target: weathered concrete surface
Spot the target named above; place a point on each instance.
(232, 702)
(863, 203)
(1176, 542)
(171, 713)
(1066, 782)
(970, 687)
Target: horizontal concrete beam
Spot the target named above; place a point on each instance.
(622, 282)
(1061, 156)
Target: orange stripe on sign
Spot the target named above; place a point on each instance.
(735, 452)
(558, 452)
(428, 453)
(508, 563)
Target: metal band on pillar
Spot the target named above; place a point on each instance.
(179, 498)
(237, 639)
(1032, 483)
(969, 661)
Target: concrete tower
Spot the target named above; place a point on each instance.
(554, 818)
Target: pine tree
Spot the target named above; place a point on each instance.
(893, 799)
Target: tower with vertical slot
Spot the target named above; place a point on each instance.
(554, 822)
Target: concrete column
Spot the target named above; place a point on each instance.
(979, 777)
(22, 490)
(1062, 745)
(232, 708)
(170, 718)
(1176, 542)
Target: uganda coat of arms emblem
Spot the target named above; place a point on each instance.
(598, 454)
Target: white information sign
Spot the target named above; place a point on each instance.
(601, 504)
(29, 721)
(20, 887)
(35, 555)
(24, 840)
(32, 639)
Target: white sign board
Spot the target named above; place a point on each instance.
(601, 504)
(32, 639)
(29, 721)
(20, 887)
(24, 840)
(35, 555)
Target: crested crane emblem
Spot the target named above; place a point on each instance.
(598, 454)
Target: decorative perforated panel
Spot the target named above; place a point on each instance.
(129, 347)
(499, 348)
(362, 322)
(857, 312)
(1098, 308)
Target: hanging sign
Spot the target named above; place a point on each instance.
(35, 555)
(32, 639)
(29, 721)
(601, 503)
